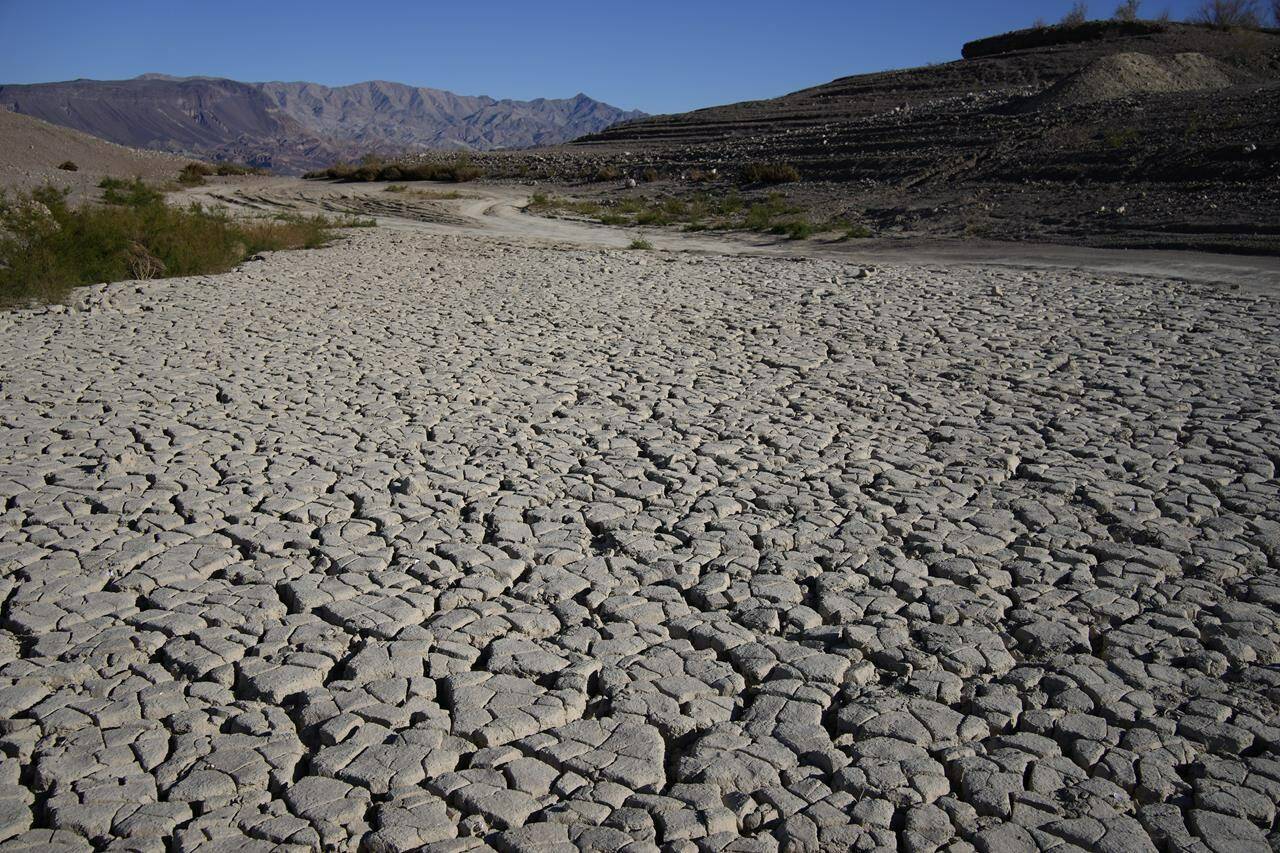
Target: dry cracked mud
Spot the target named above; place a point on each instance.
(448, 543)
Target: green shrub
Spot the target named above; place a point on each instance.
(649, 175)
(608, 173)
(730, 204)
(640, 243)
(133, 193)
(770, 173)
(796, 230)
(68, 166)
(653, 216)
(47, 247)
(857, 231)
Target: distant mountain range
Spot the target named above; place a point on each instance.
(291, 127)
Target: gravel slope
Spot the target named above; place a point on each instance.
(456, 542)
(31, 151)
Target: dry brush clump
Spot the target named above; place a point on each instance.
(770, 173)
(225, 169)
(772, 214)
(460, 170)
(193, 174)
(1127, 11)
(48, 247)
(1229, 13)
(1076, 15)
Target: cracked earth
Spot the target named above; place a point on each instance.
(448, 543)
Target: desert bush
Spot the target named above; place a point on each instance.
(460, 170)
(697, 213)
(1229, 13)
(1077, 15)
(800, 229)
(225, 169)
(48, 247)
(68, 166)
(764, 215)
(133, 193)
(608, 173)
(649, 175)
(770, 173)
(1127, 10)
(193, 174)
(640, 243)
(729, 204)
(857, 231)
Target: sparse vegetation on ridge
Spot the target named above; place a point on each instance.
(770, 215)
(1077, 15)
(1229, 13)
(1127, 10)
(47, 247)
(1223, 14)
(461, 170)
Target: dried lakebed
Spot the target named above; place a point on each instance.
(427, 541)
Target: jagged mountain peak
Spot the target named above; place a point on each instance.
(294, 126)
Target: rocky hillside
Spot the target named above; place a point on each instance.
(1140, 135)
(295, 126)
(34, 153)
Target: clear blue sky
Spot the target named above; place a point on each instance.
(658, 56)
